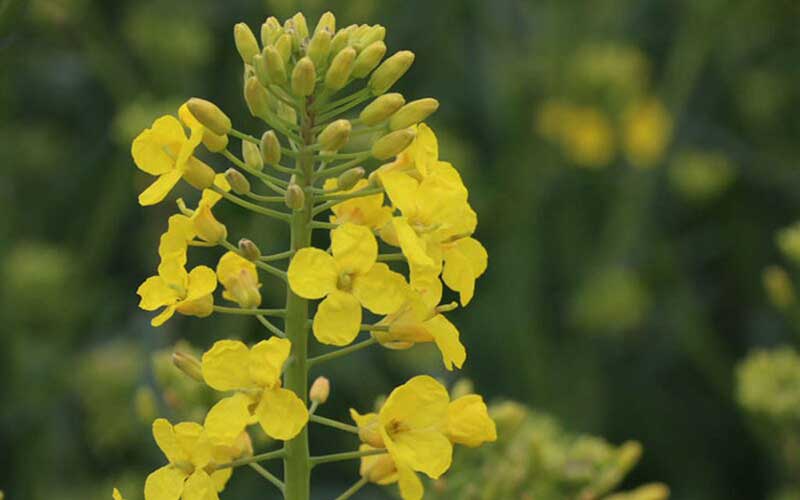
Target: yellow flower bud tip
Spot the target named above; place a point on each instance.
(340, 39)
(252, 155)
(319, 47)
(270, 31)
(260, 69)
(188, 364)
(340, 69)
(390, 71)
(300, 25)
(381, 108)
(327, 22)
(393, 143)
(335, 135)
(209, 115)
(320, 390)
(256, 98)
(239, 183)
(270, 148)
(245, 41)
(249, 250)
(304, 77)
(413, 113)
(371, 35)
(284, 46)
(368, 59)
(295, 197)
(348, 179)
(276, 67)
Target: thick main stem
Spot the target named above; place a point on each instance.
(297, 467)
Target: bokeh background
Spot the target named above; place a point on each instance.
(635, 167)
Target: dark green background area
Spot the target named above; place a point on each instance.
(572, 251)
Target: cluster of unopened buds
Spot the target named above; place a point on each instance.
(310, 180)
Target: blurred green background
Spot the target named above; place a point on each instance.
(630, 161)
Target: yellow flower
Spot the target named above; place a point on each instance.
(230, 366)
(587, 137)
(116, 495)
(347, 280)
(240, 279)
(364, 210)
(199, 223)
(469, 423)
(176, 290)
(420, 158)
(647, 131)
(164, 151)
(190, 473)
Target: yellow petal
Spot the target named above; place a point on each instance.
(200, 307)
(165, 483)
(174, 274)
(338, 319)
(412, 245)
(167, 130)
(463, 263)
(381, 290)
(116, 495)
(220, 477)
(281, 413)
(225, 366)
(420, 403)
(312, 273)
(410, 485)
(194, 441)
(227, 419)
(445, 334)
(469, 423)
(162, 317)
(167, 440)
(266, 360)
(402, 191)
(425, 451)
(159, 189)
(199, 486)
(379, 469)
(202, 282)
(149, 155)
(426, 150)
(174, 242)
(155, 293)
(354, 248)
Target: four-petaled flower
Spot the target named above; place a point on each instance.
(176, 290)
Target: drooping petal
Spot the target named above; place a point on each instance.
(312, 273)
(410, 485)
(426, 150)
(381, 290)
(163, 316)
(267, 359)
(338, 319)
(469, 423)
(281, 413)
(159, 189)
(225, 366)
(427, 451)
(420, 403)
(220, 477)
(445, 334)
(174, 243)
(165, 483)
(412, 245)
(227, 419)
(354, 248)
(167, 441)
(199, 486)
(155, 293)
(200, 307)
(459, 273)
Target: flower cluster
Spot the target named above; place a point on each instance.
(410, 213)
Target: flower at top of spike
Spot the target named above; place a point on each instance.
(348, 279)
(176, 290)
(256, 374)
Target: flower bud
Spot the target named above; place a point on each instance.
(341, 67)
(256, 98)
(207, 227)
(213, 142)
(413, 113)
(246, 42)
(239, 183)
(390, 71)
(392, 143)
(320, 390)
(377, 468)
(370, 35)
(284, 45)
(249, 250)
(335, 136)
(304, 77)
(209, 115)
(188, 364)
(198, 174)
(368, 59)
(327, 22)
(319, 47)
(260, 69)
(276, 67)
(341, 38)
(270, 31)
(252, 156)
(270, 148)
(295, 198)
(381, 108)
(349, 178)
(300, 27)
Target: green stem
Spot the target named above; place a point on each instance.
(338, 169)
(276, 256)
(268, 476)
(265, 198)
(334, 424)
(269, 326)
(341, 352)
(252, 206)
(255, 458)
(277, 313)
(348, 455)
(353, 489)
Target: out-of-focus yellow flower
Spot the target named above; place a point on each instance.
(176, 290)
(788, 240)
(700, 175)
(585, 134)
(347, 280)
(779, 286)
(469, 423)
(647, 130)
(116, 495)
(365, 210)
(230, 366)
(240, 279)
(164, 151)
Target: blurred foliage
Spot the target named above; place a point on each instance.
(619, 298)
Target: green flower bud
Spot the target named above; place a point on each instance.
(393, 143)
(341, 39)
(270, 148)
(413, 113)
(320, 390)
(368, 59)
(335, 136)
(372, 34)
(304, 76)
(199, 175)
(319, 47)
(260, 69)
(239, 183)
(249, 250)
(276, 67)
(284, 46)
(341, 67)
(390, 71)
(270, 31)
(295, 198)
(381, 108)
(213, 142)
(256, 98)
(246, 42)
(209, 115)
(188, 364)
(252, 155)
(327, 22)
(300, 26)
(349, 178)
